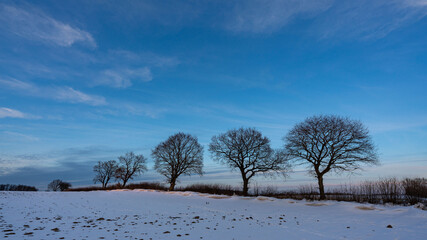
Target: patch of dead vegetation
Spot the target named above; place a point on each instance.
(366, 208)
(264, 199)
(316, 204)
(218, 197)
(184, 194)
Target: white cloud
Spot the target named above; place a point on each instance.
(123, 78)
(418, 3)
(15, 84)
(148, 58)
(62, 93)
(369, 19)
(11, 113)
(68, 94)
(256, 16)
(15, 136)
(362, 19)
(141, 109)
(36, 25)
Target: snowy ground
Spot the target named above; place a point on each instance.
(143, 214)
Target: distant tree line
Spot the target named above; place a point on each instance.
(323, 143)
(12, 187)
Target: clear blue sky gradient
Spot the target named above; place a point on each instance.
(82, 81)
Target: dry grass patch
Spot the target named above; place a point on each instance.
(316, 204)
(184, 194)
(247, 198)
(264, 199)
(219, 197)
(366, 208)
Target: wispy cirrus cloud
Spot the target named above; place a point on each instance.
(148, 58)
(416, 2)
(16, 136)
(37, 26)
(139, 109)
(125, 68)
(369, 19)
(257, 16)
(12, 113)
(68, 94)
(364, 19)
(122, 78)
(60, 93)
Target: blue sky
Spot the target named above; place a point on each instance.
(82, 81)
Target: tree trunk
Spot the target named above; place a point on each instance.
(104, 185)
(321, 187)
(124, 183)
(245, 186)
(172, 184)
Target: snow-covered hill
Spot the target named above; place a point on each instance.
(142, 214)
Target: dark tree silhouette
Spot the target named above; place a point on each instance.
(64, 186)
(329, 142)
(246, 150)
(130, 165)
(54, 185)
(179, 154)
(12, 187)
(104, 172)
(58, 185)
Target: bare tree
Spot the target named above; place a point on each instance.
(104, 172)
(54, 185)
(58, 185)
(246, 150)
(179, 154)
(64, 186)
(130, 165)
(329, 142)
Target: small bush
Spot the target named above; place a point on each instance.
(141, 185)
(147, 185)
(390, 190)
(87, 189)
(415, 190)
(212, 189)
(309, 192)
(269, 191)
(366, 192)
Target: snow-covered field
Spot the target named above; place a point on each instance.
(142, 214)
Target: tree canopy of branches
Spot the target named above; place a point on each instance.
(104, 172)
(130, 165)
(246, 150)
(58, 185)
(328, 142)
(179, 154)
